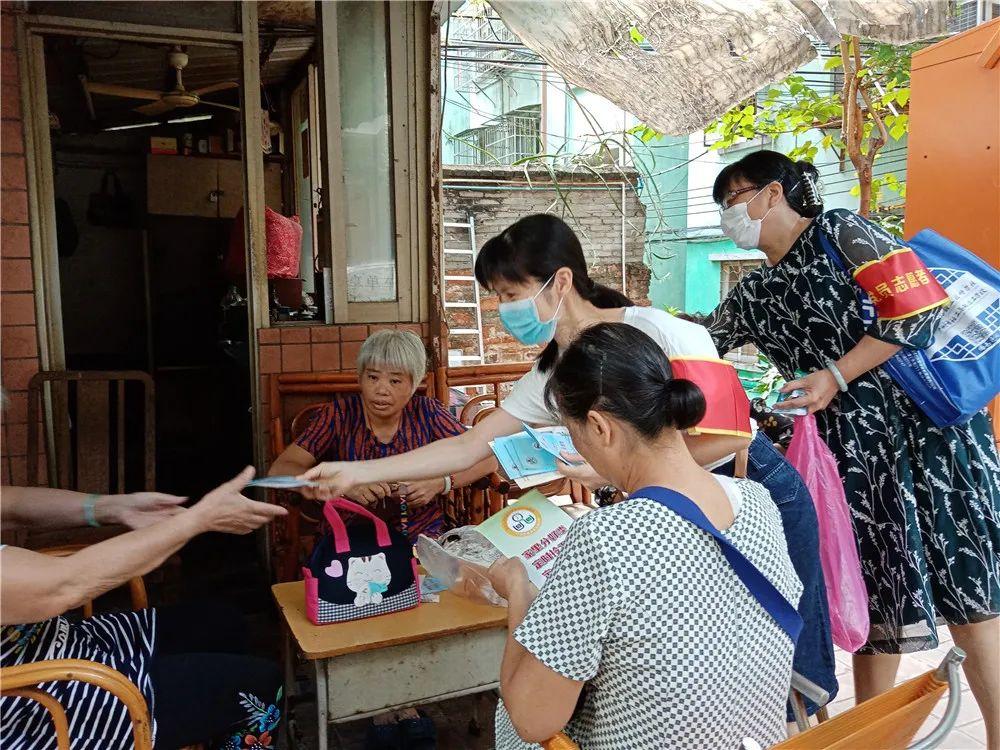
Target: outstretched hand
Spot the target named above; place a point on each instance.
(226, 510)
(333, 479)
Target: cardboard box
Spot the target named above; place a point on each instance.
(158, 145)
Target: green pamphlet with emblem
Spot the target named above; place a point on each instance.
(532, 529)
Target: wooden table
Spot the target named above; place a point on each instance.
(439, 650)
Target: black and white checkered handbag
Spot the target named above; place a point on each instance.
(360, 571)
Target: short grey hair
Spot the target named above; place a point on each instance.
(394, 350)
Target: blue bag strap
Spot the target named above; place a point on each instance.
(868, 314)
(829, 249)
(776, 605)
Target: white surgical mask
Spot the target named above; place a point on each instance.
(739, 227)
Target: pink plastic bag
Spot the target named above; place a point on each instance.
(838, 549)
(284, 243)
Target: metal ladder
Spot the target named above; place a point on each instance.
(469, 253)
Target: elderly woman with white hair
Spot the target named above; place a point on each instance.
(386, 418)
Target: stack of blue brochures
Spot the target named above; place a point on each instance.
(532, 457)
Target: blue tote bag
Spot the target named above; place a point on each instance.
(959, 373)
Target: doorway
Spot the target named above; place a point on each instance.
(146, 198)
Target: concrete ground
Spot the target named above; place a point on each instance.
(453, 717)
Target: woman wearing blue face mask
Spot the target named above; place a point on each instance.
(547, 298)
(925, 501)
(537, 268)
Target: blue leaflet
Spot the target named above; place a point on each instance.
(280, 483)
(532, 452)
(555, 440)
(521, 456)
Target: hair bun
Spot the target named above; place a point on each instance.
(683, 403)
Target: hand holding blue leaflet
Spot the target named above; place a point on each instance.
(532, 457)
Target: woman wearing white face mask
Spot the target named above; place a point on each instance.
(547, 298)
(925, 501)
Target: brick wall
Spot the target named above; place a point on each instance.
(596, 218)
(18, 332)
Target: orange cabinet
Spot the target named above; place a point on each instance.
(953, 165)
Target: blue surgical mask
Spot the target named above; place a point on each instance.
(521, 319)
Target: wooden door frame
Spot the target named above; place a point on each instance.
(31, 30)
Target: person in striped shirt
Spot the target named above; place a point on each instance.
(190, 661)
(385, 418)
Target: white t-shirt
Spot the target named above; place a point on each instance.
(676, 337)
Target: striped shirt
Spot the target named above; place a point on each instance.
(338, 432)
(97, 720)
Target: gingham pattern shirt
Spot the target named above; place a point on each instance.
(675, 650)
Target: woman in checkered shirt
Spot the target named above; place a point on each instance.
(644, 636)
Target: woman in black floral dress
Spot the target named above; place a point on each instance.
(925, 501)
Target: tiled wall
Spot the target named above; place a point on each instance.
(18, 332)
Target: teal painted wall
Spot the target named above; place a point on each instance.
(703, 275)
(662, 161)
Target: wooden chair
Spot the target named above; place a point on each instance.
(23, 680)
(94, 448)
(293, 400)
(891, 720)
(103, 433)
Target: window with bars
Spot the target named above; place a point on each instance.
(967, 14)
(503, 140)
(731, 272)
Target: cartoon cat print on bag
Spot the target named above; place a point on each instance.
(368, 578)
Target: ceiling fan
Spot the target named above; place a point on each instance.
(164, 101)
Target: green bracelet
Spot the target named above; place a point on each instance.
(88, 510)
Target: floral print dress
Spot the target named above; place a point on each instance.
(925, 501)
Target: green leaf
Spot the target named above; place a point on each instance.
(833, 63)
(897, 132)
(902, 97)
(856, 191)
(635, 36)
